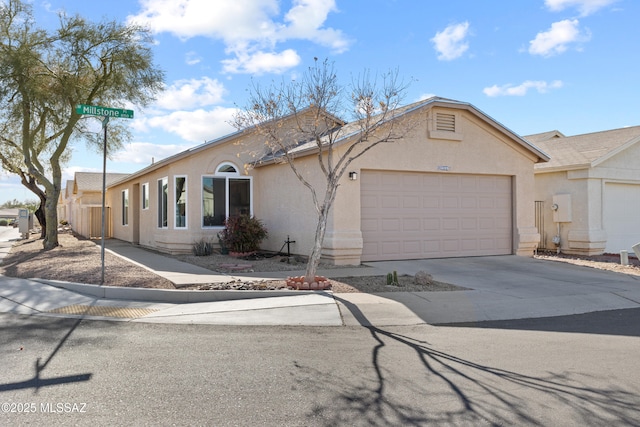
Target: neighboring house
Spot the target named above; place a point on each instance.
(65, 203)
(85, 203)
(10, 215)
(459, 184)
(594, 179)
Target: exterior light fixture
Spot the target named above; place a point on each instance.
(353, 176)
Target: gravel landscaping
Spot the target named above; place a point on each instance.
(78, 260)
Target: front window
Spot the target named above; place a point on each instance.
(145, 196)
(223, 195)
(163, 190)
(181, 201)
(125, 207)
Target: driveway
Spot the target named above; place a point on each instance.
(512, 287)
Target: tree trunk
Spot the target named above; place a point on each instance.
(30, 182)
(42, 219)
(51, 218)
(316, 251)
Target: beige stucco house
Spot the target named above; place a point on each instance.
(588, 195)
(80, 204)
(458, 184)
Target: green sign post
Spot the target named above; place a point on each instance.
(106, 113)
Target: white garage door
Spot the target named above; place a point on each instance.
(409, 215)
(621, 216)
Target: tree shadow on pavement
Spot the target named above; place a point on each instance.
(454, 391)
(27, 329)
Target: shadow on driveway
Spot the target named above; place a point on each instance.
(611, 322)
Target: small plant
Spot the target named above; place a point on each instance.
(63, 222)
(202, 247)
(243, 233)
(3, 223)
(392, 279)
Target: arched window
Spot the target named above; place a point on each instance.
(225, 194)
(227, 168)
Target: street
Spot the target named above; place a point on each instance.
(65, 371)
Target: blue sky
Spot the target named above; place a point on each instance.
(532, 65)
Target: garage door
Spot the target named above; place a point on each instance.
(621, 216)
(408, 215)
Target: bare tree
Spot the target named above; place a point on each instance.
(45, 74)
(302, 115)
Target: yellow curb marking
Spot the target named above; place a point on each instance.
(104, 311)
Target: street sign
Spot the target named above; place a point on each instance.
(94, 110)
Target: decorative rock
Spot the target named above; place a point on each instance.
(422, 278)
(299, 283)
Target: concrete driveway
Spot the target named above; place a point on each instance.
(512, 287)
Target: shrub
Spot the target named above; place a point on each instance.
(3, 223)
(243, 233)
(202, 247)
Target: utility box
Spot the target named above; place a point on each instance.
(562, 208)
(25, 222)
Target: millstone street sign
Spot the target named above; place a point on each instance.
(94, 110)
(106, 113)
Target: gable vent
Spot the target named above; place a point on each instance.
(445, 122)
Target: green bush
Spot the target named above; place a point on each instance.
(243, 233)
(3, 222)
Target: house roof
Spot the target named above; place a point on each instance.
(68, 191)
(351, 129)
(207, 144)
(9, 213)
(544, 136)
(347, 131)
(92, 181)
(583, 151)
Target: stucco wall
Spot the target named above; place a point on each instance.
(585, 234)
(483, 150)
(285, 205)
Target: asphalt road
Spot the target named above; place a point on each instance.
(61, 371)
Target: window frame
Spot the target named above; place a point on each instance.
(124, 200)
(175, 202)
(163, 203)
(144, 195)
(227, 176)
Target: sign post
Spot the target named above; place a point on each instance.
(106, 113)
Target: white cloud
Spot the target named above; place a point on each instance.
(195, 126)
(146, 152)
(557, 38)
(192, 58)
(187, 94)
(450, 43)
(521, 89)
(585, 7)
(262, 62)
(247, 27)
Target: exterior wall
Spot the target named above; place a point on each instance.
(285, 205)
(142, 227)
(289, 207)
(585, 234)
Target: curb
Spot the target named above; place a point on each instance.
(176, 296)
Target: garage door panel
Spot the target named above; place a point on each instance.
(621, 216)
(430, 202)
(411, 224)
(390, 225)
(441, 215)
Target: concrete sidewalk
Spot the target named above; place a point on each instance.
(501, 288)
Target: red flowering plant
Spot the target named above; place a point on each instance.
(243, 233)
